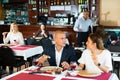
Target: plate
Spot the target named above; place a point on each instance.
(38, 37)
(85, 73)
(7, 45)
(51, 69)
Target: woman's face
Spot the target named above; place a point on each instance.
(14, 28)
(89, 44)
(42, 27)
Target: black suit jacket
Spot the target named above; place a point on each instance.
(68, 55)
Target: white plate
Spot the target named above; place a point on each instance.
(50, 68)
(38, 37)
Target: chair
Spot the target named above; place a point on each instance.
(45, 42)
(78, 53)
(112, 34)
(29, 41)
(119, 36)
(116, 65)
(7, 58)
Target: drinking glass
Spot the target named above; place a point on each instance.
(14, 40)
(73, 44)
(35, 61)
(83, 44)
(73, 65)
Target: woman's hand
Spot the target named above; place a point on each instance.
(4, 33)
(95, 59)
(43, 32)
(15, 42)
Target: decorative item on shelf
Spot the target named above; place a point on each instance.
(93, 1)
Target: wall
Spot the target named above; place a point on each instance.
(110, 12)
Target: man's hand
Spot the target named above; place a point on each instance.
(79, 30)
(42, 59)
(65, 65)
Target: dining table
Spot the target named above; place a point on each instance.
(33, 73)
(26, 51)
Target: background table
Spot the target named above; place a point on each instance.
(27, 50)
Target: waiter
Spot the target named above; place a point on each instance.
(83, 26)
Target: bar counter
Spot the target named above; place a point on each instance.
(28, 30)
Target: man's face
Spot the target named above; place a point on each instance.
(60, 39)
(86, 15)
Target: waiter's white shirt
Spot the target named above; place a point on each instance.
(82, 24)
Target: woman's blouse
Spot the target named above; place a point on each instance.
(18, 37)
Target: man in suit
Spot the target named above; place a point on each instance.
(60, 54)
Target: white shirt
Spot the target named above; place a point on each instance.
(14, 36)
(58, 56)
(82, 24)
(104, 59)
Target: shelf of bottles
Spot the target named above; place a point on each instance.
(33, 5)
(94, 11)
(43, 7)
(62, 2)
(83, 5)
(62, 5)
(15, 13)
(33, 11)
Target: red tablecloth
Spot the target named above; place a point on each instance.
(23, 47)
(26, 76)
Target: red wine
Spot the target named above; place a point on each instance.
(73, 67)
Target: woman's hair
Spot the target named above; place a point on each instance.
(100, 31)
(12, 25)
(98, 40)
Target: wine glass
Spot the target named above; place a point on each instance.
(73, 44)
(15, 40)
(35, 61)
(83, 45)
(73, 65)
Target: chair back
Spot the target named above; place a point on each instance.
(46, 42)
(30, 41)
(113, 35)
(78, 53)
(7, 57)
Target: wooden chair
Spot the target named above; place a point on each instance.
(7, 58)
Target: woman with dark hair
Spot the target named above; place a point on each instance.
(96, 58)
(42, 32)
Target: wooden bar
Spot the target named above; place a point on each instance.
(28, 31)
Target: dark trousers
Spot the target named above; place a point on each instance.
(82, 37)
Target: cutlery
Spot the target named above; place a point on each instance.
(36, 72)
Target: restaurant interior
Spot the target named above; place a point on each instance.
(58, 15)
